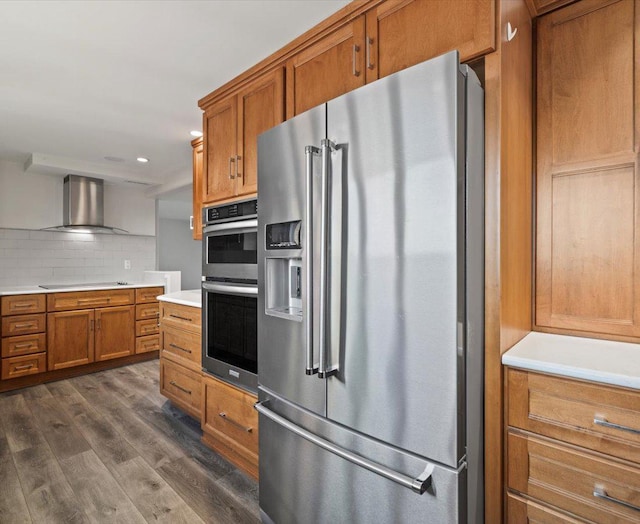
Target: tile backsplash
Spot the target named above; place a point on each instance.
(54, 257)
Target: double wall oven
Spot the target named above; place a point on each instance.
(230, 292)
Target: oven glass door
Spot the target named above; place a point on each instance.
(232, 244)
(231, 325)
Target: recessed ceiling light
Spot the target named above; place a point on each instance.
(197, 134)
(142, 159)
(114, 159)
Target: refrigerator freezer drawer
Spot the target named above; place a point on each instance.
(301, 482)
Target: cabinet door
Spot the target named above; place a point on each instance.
(587, 256)
(260, 107)
(327, 69)
(220, 151)
(198, 161)
(70, 338)
(115, 332)
(402, 33)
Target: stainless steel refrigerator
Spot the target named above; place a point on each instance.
(370, 309)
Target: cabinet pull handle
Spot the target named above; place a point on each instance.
(85, 300)
(22, 305)
(174, 384)
(25, 325)
(23, 345)
(369, 42)
(356, 48)
(224, 416)
(172, 345)
(238, 175)
(91, 325)
(99, 324)
(600, 492)
(22, 368)
(181, 318)
(231, 161)
(601, 421)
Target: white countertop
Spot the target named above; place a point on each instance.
(606, 361)
(189, 297)
(30, 290)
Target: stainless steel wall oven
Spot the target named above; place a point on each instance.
(230, 292)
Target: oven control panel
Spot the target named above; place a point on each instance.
(246, 209)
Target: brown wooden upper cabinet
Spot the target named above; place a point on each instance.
(231, 128)
(198, 153)
(402, 33)
(588, 257)
(329, 68)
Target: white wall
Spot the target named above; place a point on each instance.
(178, 251)
(30, 201)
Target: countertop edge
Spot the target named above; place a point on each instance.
(601, 361)
(184, 298)
(35, 290)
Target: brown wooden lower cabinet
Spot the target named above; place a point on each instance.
(114, 332)
(70, 336)
(573, 450)
(147, 343)
(181, 385)
(230, 423)
(14, 367)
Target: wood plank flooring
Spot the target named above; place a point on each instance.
(108, 447)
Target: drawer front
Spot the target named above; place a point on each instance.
(567, 410)
(15, 367)
(90, 299)
(147, 327)
(181, 385)
(22, 304)
(568, 479)
(184, 346)
(24, 345)
(177, 315)
(229, 416)
(523, 510)
(23, 325)
(146, 311)
(148, 294)
(147, 343)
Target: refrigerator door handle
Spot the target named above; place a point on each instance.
(309, 151)
(327, 147)
(419, 485)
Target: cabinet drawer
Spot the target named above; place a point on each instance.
(147, 343)
(15, 367)
(567, 410)
(177, 315)
(229, 416)
(24, 345)
(181, 385)
(522, 510)
(147, 327)
(148, 294)
(21, 304)
(145, 311)
(89, 299)
(183, 346)
(23, 325)
(568, 478)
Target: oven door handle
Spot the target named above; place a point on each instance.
(243, 226)
(231, 289)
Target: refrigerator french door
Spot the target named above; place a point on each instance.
(370, 308)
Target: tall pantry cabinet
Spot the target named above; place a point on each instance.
(588, 243)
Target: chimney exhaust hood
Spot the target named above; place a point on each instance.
(83, 206)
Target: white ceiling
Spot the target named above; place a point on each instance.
(83, 80)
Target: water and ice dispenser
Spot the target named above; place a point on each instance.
(283, 274)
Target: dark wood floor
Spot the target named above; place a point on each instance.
(108, 447)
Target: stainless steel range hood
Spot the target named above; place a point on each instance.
(83, 206)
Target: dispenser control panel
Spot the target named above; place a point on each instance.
(285, 235)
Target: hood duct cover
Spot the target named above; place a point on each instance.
(83, 206)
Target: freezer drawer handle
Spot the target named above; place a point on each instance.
(600, 492)
(419, 484)
(601, 421)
